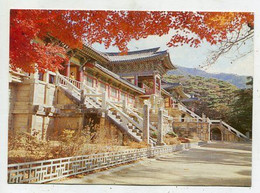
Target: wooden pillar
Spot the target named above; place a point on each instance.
(160, 128)
(119, 95)
(146, 123)
(108, 90)
(136, 80)
(67, 70)
(81, 75)
(154, 84)
(160, 82)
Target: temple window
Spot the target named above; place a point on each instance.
(123, 96)
(131, 99)
(102, 87)
(89, 81)
(113, 92)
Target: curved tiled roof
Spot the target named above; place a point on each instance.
(151, 50)
(141, 55)
(136, 57)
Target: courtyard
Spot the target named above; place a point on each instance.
(214, 164)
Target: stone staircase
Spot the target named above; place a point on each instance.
(127, 121)
(230, 129)
(192, 114)
(214, 122)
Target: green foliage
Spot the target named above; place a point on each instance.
(214, 94)
(241, 114)
(172, 134)
(219, 99)
(154, 135)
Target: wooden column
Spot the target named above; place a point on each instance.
(160, 127)
(108, 90)
(136, 80)
(119, 95)
(146, 123)
(154, 84)
(67, 70)
(160, 82)
(81, 75)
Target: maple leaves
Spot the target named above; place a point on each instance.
(115, 28)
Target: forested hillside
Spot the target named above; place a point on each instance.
(218, 99)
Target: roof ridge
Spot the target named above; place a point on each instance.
(133, 52)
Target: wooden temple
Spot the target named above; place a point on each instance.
(127, 91)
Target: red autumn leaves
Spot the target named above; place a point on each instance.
(115, 28)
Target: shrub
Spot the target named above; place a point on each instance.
(154, 135)
(183, 140)
(171, 133)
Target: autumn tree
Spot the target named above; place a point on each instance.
(117, 28)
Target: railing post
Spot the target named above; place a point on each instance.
(203, 117)
(46, 77)
(160, 128)
(35, 75)
(104, 100)
(57, 80)
(209, 124)
(146, 123)
(82, 94)
(124, 105)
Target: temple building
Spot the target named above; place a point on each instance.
(124, 94)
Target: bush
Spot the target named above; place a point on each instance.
(183, 140)
(154, 135)
(172, 134)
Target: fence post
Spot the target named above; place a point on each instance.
(146, 123)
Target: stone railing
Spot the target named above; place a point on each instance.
(187, 120)
(231, 129)
(185, 109)
(49, 170)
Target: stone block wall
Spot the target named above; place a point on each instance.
(43, 110)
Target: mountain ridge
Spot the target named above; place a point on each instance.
(237, 80)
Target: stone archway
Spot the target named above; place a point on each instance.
(216, 134)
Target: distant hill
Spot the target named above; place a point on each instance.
(237, 80)
(214, 95)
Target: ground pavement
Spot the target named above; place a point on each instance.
(215, 164)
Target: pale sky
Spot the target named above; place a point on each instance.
(193, 57)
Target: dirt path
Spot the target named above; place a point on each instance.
(217, 164)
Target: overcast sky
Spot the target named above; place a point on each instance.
(193, 57)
